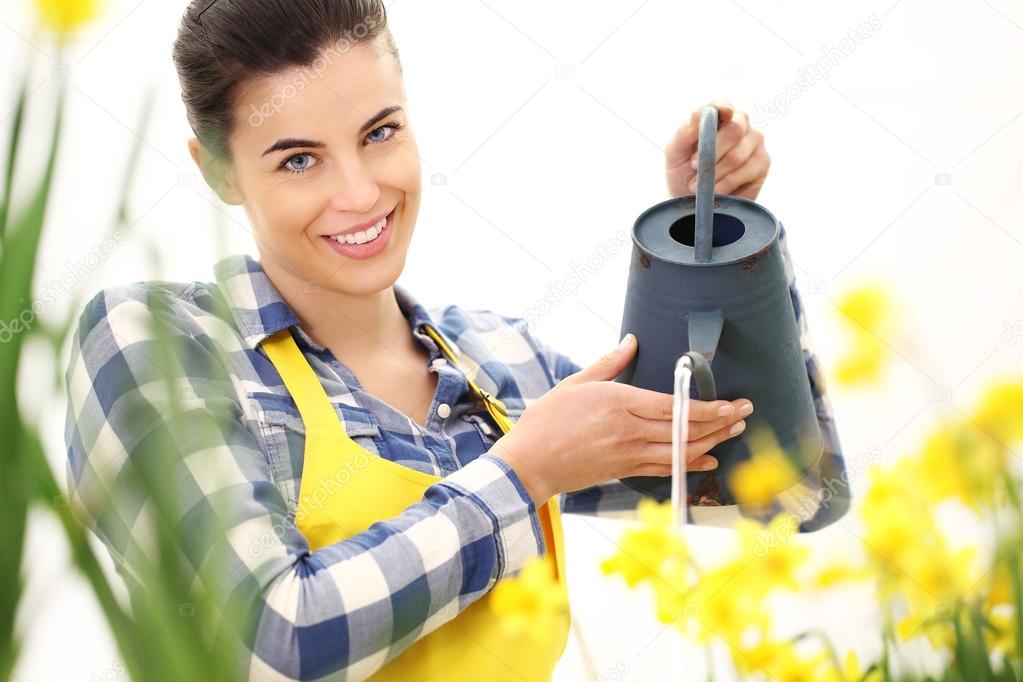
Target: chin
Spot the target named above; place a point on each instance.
(365, 278)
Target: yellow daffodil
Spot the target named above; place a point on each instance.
(869, 316)
(1001, 411)
(645, 549)
(780, 661)
(962, 461)
(775, 553)
(863, 362)
(853, 672)
(722, 604)
(1003, 637)
(532, 600)
(894, 515)
(769, 471)
(998, 590)
(867, 306)
(66, 16)
(834, 574)
(912, 563)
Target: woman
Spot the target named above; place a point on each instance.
(352, 445)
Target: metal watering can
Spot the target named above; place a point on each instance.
(707, 280)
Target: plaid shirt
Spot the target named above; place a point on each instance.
(331, 612)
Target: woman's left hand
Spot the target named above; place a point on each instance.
(742, 160)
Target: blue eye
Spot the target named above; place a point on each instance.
(303, 167)
(395, 127)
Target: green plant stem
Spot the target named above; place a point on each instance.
(887, 639)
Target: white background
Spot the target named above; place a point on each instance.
(547, 122)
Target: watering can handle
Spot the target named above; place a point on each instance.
(706, 160)
(704, 334)
(703, 375)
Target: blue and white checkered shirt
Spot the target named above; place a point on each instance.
(329, 613)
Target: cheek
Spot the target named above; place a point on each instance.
(403, 166)
(284, 210)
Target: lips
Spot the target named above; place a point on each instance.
(363, 227)
(364, 243)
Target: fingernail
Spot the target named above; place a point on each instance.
(725, 410)
(737, 428)
(625, 341)
(709, 464)
(745, 409)
(693, 163)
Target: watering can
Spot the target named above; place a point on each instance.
(707, 280)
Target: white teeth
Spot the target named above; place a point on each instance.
(362, 236)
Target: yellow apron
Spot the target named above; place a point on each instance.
(473, 645)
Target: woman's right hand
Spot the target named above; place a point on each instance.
(589, 429)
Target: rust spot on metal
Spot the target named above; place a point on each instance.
(750, 263)
(644, 260)
(707, 493)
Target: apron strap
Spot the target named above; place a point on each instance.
(304, 386)
(498, 410)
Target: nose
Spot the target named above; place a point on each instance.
(355, 188)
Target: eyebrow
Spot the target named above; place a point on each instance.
(292, 142)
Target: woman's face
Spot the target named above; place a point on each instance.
(320, 151)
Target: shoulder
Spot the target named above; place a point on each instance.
(120, 324)
(505, 337)
(502, 345)
(125, 310)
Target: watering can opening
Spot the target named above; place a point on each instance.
(726, 229)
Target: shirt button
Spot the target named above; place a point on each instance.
(443, 410)
(439, 361)
(485, 427)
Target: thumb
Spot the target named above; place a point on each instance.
(609, 366)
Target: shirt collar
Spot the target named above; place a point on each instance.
(259, 310)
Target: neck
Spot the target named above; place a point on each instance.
(352, 325)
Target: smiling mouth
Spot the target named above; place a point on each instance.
(363, 236)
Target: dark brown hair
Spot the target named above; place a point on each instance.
(222, 44)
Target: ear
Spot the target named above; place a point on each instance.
(218, 172)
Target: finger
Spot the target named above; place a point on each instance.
(698, 430)
(704, 463)
(729, 136)
(682, 145)
(738, 155)
(709, 410)
(749, 191)
(651, 470)
(664, 470)
(753, 170)
(607, 367)
(653, 430)
(662, 430)
(656, 457)
(648, 404)
(695, 448)
(725, 109)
